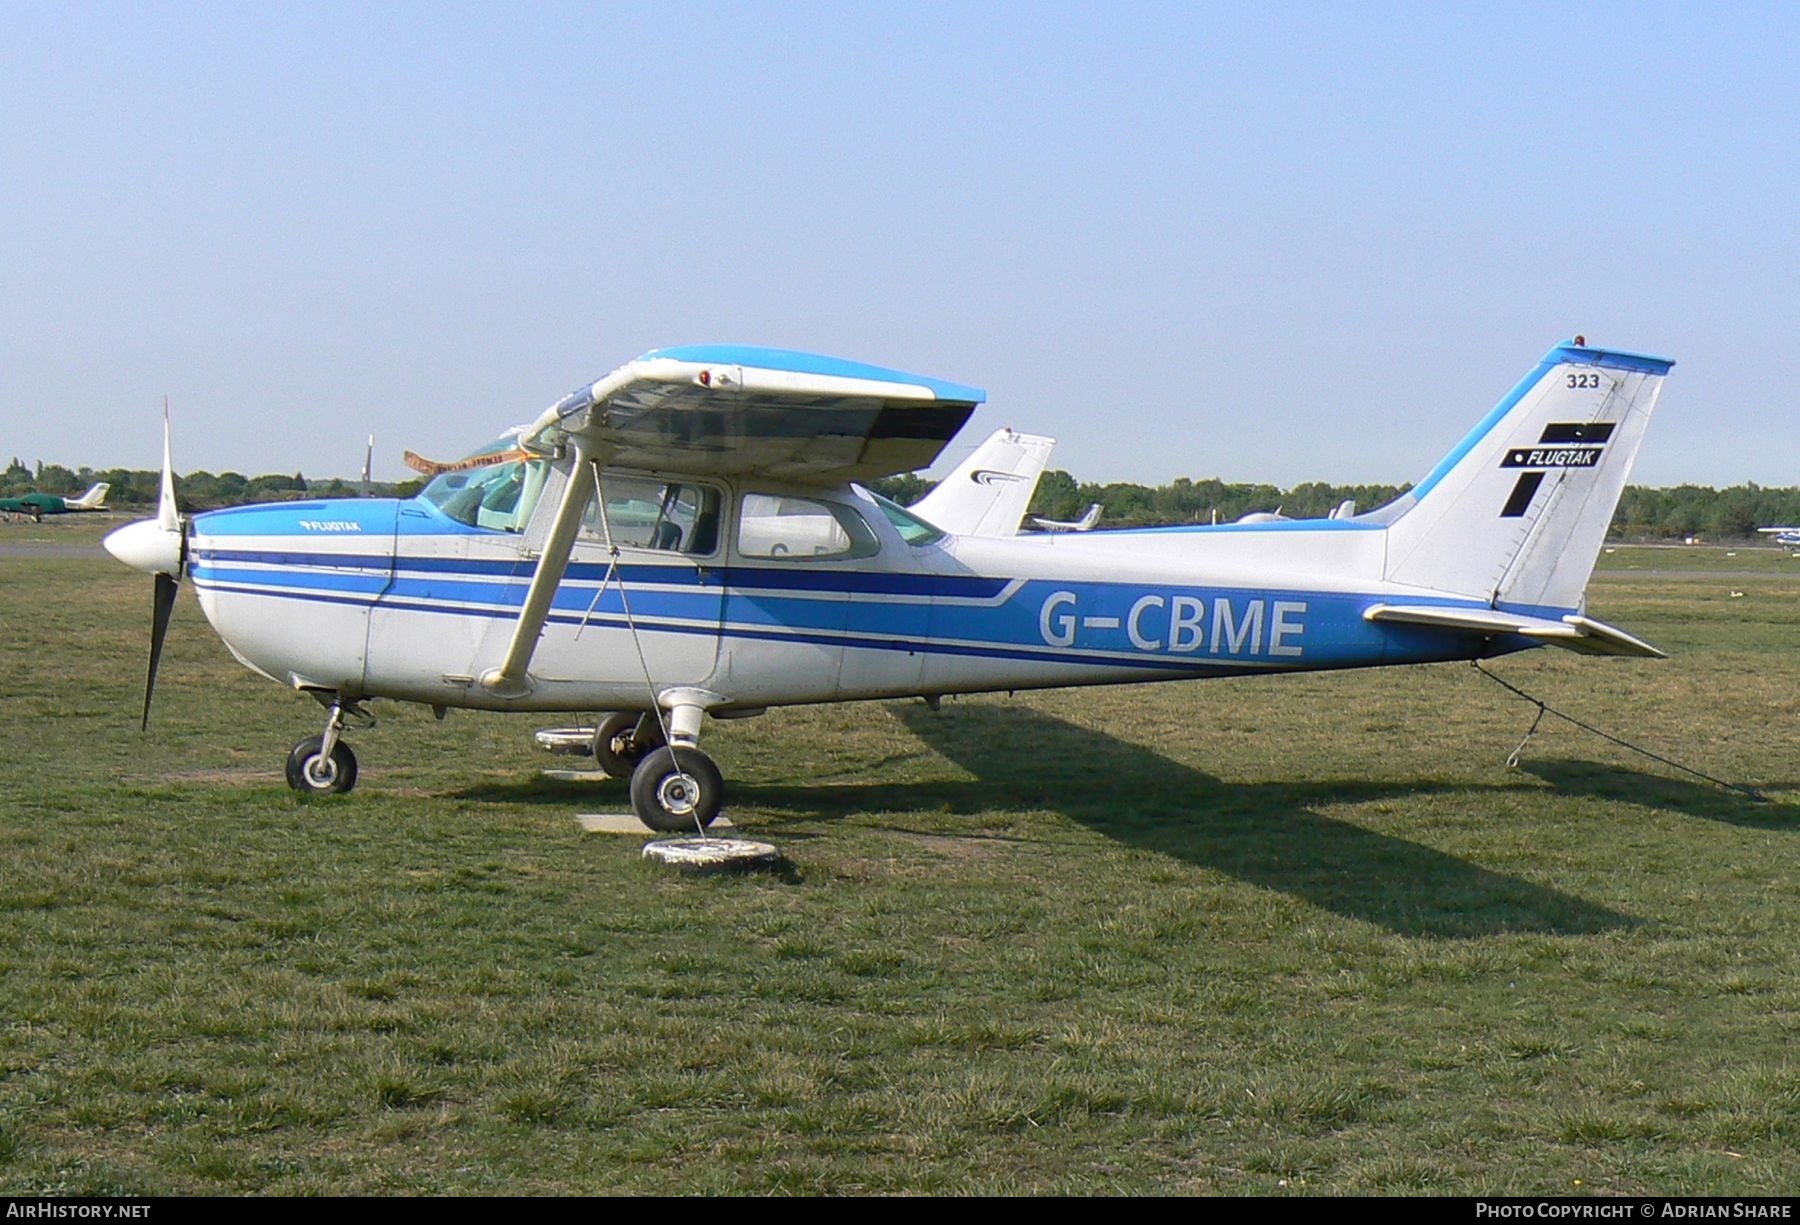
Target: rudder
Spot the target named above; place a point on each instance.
(1517, 513)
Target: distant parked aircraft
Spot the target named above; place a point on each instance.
(37, 505)
(1083, 524)
(1344, 510)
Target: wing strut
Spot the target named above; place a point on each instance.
(511, 679)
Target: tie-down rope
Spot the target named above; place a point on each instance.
(1544, 708)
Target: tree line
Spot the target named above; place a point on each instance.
(197, 490)
(1643, 513)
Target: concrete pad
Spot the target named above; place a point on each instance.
(628, 823)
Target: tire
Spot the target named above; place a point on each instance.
(308, 774)
(617, 749)
(671, 797)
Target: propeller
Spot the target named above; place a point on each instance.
(158, 547)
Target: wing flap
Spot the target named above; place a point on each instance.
(1576, 633)
(731, 410)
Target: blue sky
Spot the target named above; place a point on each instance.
(1285, 242)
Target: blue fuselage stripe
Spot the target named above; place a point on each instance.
(599, 620)
(1180, 630)
(788, 578)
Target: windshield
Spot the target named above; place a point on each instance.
(497, 495)
(914, 530)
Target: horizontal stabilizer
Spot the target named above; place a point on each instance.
(1573, 632)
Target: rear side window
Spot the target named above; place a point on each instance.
(914, 530)
(780, 527)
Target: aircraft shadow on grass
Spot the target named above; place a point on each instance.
(1265, 834)
(1689, 796)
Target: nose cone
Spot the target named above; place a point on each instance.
(148, 546)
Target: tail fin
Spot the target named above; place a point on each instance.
(1516, 514)
(989, 491)
(1083, 524)
(93, 499)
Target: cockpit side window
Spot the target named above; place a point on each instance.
(643, 513)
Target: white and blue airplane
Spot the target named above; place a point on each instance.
(688, 536)
(1786, 536)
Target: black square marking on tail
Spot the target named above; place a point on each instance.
(1577, 431)
(1522, 493)
(1563, 444)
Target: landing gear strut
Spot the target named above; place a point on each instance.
(324, 764)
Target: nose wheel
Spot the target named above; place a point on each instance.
(324, 764)
(311, 770)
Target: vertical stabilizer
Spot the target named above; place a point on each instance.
(93, 499)
(1517, 513)
(988, 493)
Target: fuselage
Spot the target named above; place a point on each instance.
(34, 504)
(785, 595)
(37, 504)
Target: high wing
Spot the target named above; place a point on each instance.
(731, 409)
(726, 410)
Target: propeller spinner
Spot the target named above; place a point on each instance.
(158, 547)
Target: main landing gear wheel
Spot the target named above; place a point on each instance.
(672, 790)
(622, 740)
(310, 772)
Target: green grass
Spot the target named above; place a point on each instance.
(1755, 559)
(1293, 935)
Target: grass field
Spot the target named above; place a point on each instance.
(1293, 935)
